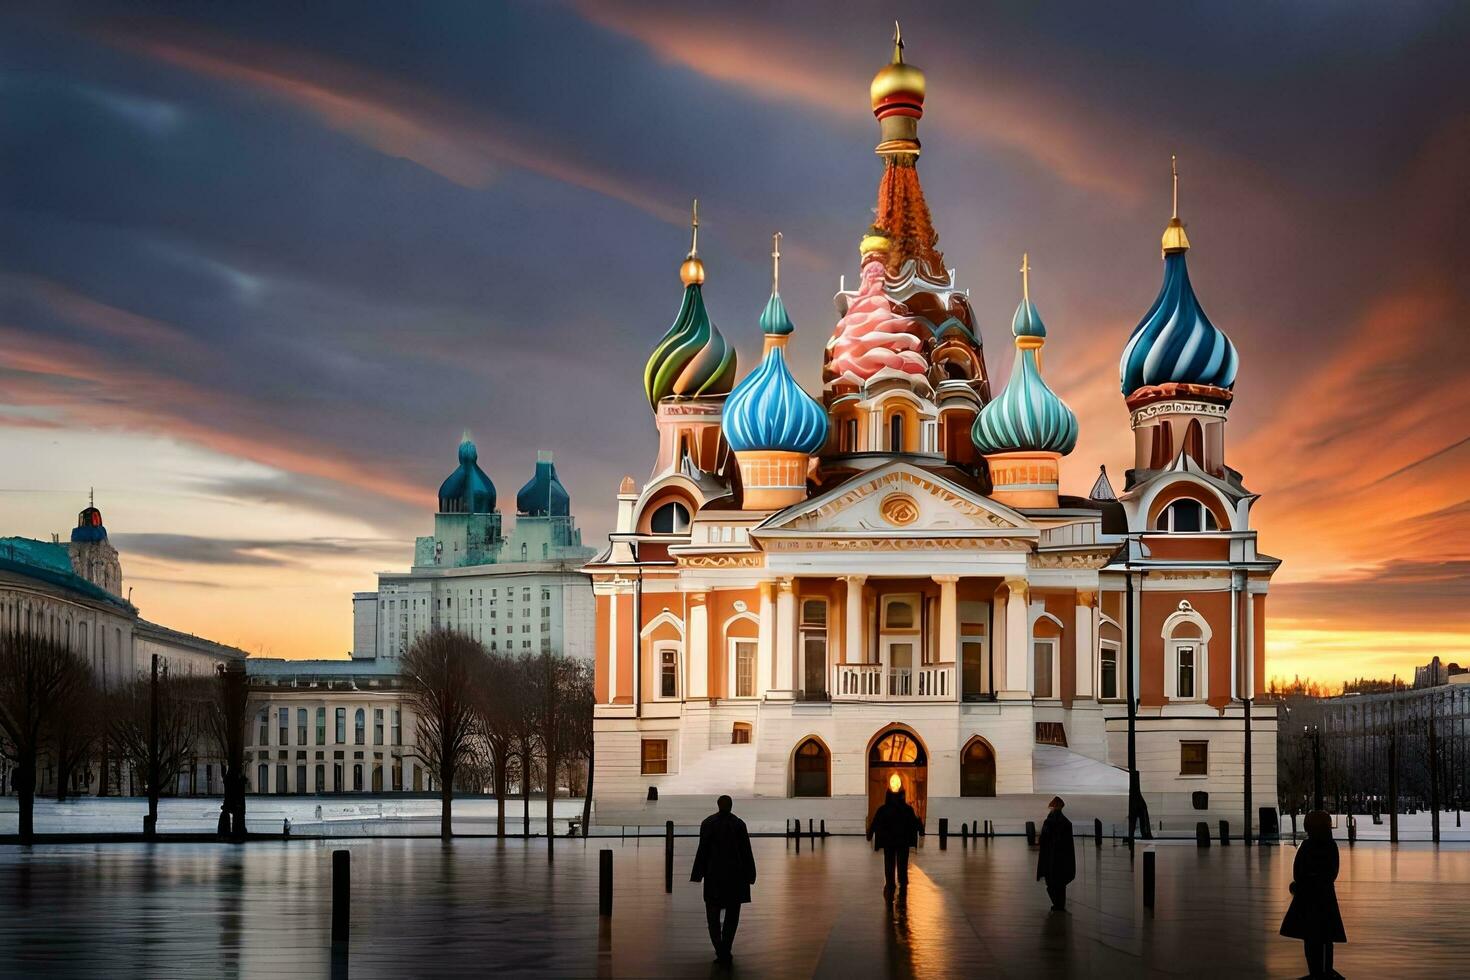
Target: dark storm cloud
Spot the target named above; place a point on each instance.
(327, 238)
(198, 550)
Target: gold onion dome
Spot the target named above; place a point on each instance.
(691, 273)
(897, 77)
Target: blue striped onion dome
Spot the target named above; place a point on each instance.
(768, 410)
(467, 490)
(1027, 416)
(1176, 343)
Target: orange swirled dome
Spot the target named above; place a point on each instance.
(874, 334)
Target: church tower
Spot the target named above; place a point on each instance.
(467, 525)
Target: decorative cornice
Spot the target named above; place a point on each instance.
(720, 561)
(897, 544)
(1153, 410)
(1096, 559)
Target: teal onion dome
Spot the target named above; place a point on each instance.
(1176, 343)
(544, 495)
(768, 410)
(774, 321)
(467, 490)
(1027, 416)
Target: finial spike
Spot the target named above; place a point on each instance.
(776, 263)
(694, 230)
(1174, 167)
(1026, 276)
(91, 496)
(897, 44)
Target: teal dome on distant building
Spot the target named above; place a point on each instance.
(768, 411)
(1027, 416)
(544, 495)
(467, 490)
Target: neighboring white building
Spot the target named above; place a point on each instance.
(518, 594)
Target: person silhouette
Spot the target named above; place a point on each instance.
(895, 828)
(1313, 916)
(726, 865)
(1057, 863)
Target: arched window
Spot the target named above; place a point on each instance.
(895, 433)
(812, 769)
(523, 551)
(671, 518)
(1186, 515)
(359, 729)
(1186, 655)
(1194, 442)
(977, 769)
(667, 657)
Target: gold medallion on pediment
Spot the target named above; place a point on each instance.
(899, 509)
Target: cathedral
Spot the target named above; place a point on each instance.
(817, 596)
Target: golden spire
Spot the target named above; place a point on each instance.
(691, 273)
(897, 44)
(1174, 239)
(776, 263)
(1026, 276)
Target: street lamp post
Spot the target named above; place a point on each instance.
(1314, 732)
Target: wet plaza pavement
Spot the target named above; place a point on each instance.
(480, 907)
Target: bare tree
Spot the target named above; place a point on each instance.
(525, 726)
(578, 699)
(227, 720)
(439, 672)
(75, 726)
(554, 677)
(36, 675)
(156, 726)
(496, 716)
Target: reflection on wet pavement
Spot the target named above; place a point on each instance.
(420, 908)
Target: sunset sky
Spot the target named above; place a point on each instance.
(261, 264)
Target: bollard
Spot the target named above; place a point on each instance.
(824, 828)
(341, 899)
(1202, 834)
(604, 883)
(1352, 830)
(975, 829)
(1224, 833)
(811, 829)
(1148, 879)
(1097, 831)
(1031, 832)
(943, 833)
(964, 832)
(668, 857)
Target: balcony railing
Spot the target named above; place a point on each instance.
(880, 682)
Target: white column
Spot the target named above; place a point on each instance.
(1250, 641)
(949, 628)
(696, 654)
(1017, 635)
(765, 641)
(852, 636)
(784, 685)
(612, 648)
(1085, 645)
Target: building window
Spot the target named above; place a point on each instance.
(668, 671)
(377, 726)
(895, 433)
(898, 614)
(1044, 652)
(655, 756)
(357, 777)
(814, 647)
(1194, 758)
(744, 654)
(1186, 515)
(321, 726)
(341, 725)
(1051, 733)
(740, 734)
(262, 778)
(301, 724)
(265, 728)
(1185, 665)
(671, 518)
(1107, 672)
(321, 779)
(283, 726)
(397, 726)
(359, 727)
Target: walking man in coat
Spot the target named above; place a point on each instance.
(1058, 861)
(1313, 916)
(895, 829)
(726, 865)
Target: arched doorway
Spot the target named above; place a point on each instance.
(897, 753)
(811, 769)
(977, 769)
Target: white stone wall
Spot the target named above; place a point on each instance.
(296, 754)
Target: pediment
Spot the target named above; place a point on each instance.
(901, 500)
